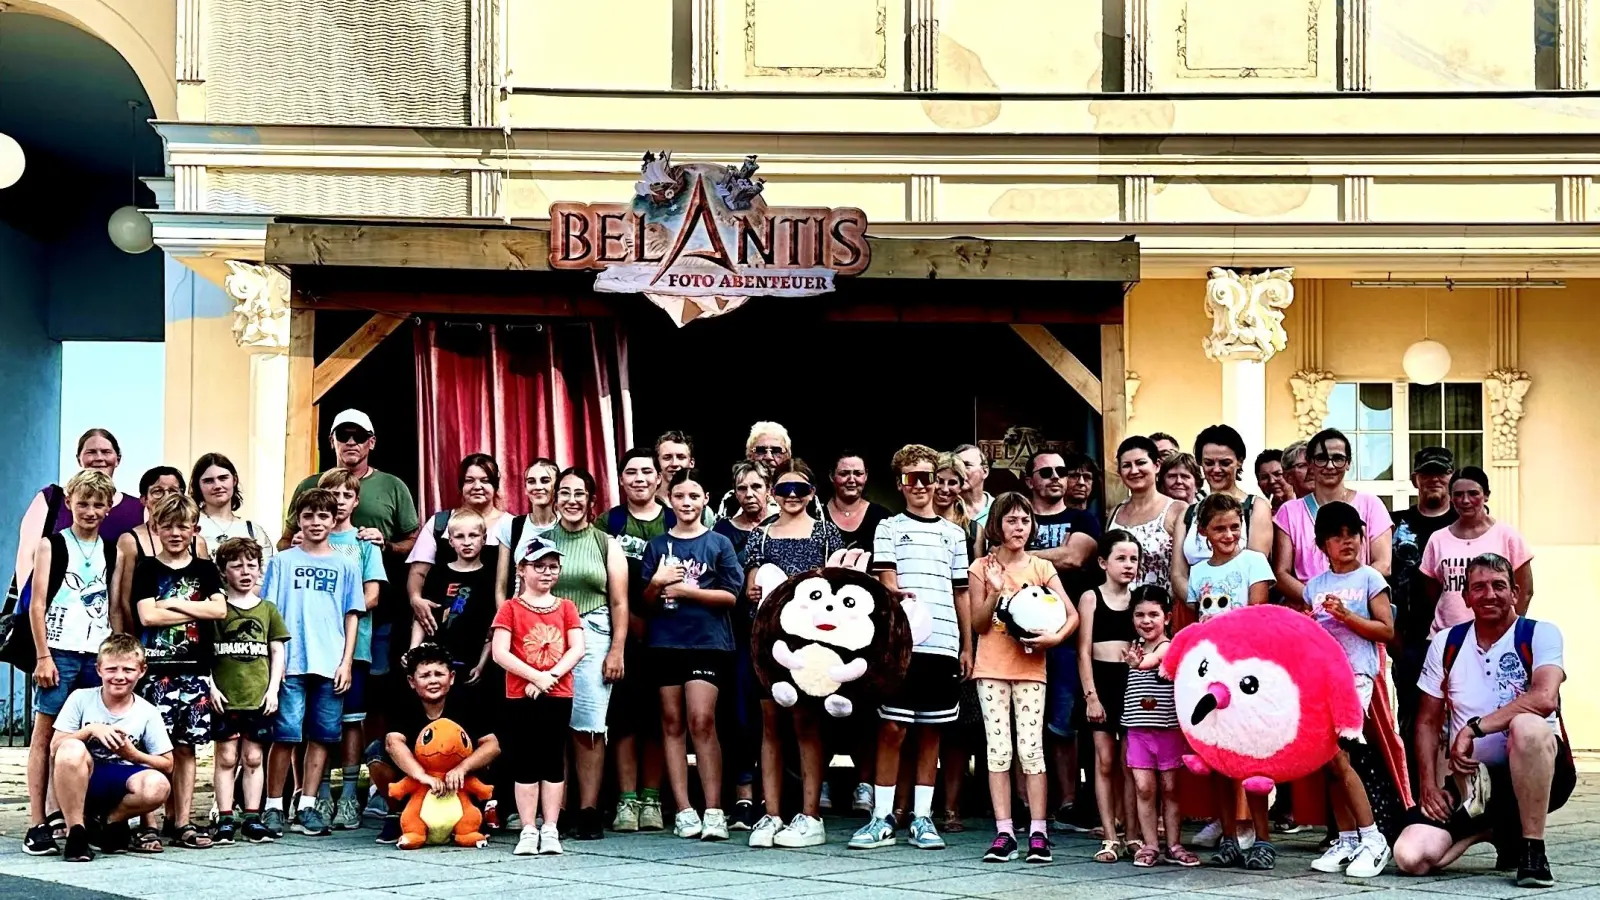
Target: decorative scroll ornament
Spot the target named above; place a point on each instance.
(261, 305)
(1132, 381)
(1247, 314)
(1506, 389)
(1311, 388)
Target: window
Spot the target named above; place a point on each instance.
(1388, 422)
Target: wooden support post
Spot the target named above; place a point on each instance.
(1069, 367)
(332, 370)
(1113, 406)
(300, 441)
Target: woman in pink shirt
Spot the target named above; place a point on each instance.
(1295, 556)
(1474, 532)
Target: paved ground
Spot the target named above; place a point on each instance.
(351, 867)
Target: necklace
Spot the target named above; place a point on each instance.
(82, 548)
(847, 513)
(221, 528)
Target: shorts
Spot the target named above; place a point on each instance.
(355, 699)
(76, 670)
(253, 725)
(1502, 820)
(381, 632)
(672, 667)
(930, 694)
(1161, 749)
(635, 707)
(1062, 687)
(184, 702)
(591, 695)
(308, 709)
(534, 739)
(108, 784)
(378, 752)
(1110, 685)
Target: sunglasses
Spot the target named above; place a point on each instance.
(769, 451)
(790, 489)
(352, 436)
(916, 479)
(1331, 460)
(1050, 473)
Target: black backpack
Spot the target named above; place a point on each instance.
(16, 632)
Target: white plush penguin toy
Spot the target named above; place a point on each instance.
(1031, 612)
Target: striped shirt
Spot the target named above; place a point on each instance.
(1147, 702)
(929, 559)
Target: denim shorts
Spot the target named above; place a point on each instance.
(75, 670)
(381, 636)
(355, 698)
(308, 709)
(1062, 687)
(591, 695)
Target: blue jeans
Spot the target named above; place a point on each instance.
(76, 670)
(308, 709)
(1062, 686)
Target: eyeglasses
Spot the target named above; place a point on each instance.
(791, 489)
(546, 568)
(762, 450)
(916, 479)
(1331, 460)
(569, 494)
(352, 436)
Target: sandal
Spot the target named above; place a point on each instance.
(1179, 855)
(1146, 857)
(1133, 847)
(951, 822)
(58, 825)
(191, 837)
(147, 840)
(1109, 852)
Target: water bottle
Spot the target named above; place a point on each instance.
(669, 603)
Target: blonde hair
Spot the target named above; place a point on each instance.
(466, 518)
(174, 509)
(958, 509)
(340, 477)
(762, 428)
(121, 645)
(93, 482)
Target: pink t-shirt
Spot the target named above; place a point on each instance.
(1296, 520)
(1445, 561)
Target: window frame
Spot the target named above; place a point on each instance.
(1397, 492)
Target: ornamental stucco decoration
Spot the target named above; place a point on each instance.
(1506, 389)
(1311, 388)
(261, 306)
(1247, 313)
(1131, 384)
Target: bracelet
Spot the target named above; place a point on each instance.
(41, 656)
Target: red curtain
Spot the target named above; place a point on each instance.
(518, 392)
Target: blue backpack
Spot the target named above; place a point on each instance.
(1523, 639)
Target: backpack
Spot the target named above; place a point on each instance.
(1523, 639)
(16, 631)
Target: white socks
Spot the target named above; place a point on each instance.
(882, 801)
(1370, 835)
(274, 803)
(922, 801)
(307, 802)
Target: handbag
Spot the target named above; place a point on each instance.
(16, 633)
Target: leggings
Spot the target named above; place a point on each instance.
(1001, 700)
(534, 738)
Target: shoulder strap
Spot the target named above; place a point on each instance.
(1524, 641)
(1189, 514)
(616, 519)
(1454, 638)
(1249, 504)
(517, 523)
(250, 529)
(441, 525)
(58, 567)
(54, 498)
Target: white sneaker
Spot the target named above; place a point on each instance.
(1370, 859)
(761, 836)
(549, 841)
(527, 841)
(687, 824)
(863, 802)
(827, 797)
(1335, 858)
(802, 831)
(716, 826)
(1247, 837)
(1209, 836)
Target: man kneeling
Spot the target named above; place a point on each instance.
(111, 755)
(1508, 759)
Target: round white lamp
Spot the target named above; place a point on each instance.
(12, 162)
(130, 230)
(1426, 362)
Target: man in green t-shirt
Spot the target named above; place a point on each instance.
(387, 514)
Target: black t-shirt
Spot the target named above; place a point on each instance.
(1413, 612)
(185, 648)
(466, 608)
(1053, 531)
(410, 719)
(861, 538)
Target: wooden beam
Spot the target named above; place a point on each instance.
(300, 442)
(1113, 407)
(1069, 367)
(528, 249)
(355, 348)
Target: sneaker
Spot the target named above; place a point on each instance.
(924, 836)
(1476, 802)
(589, 825)
(686, 824)
(1261, 857)
(77, 845)
(324, 808)
(39, 842)
(1210, 837)
(1287, 825)
(1337, 857)
(864, 798)
(627, 817)
(715, 827)
(273, 821)
(1066, 821)
(527, 841)
(378, 808)
(253, 832)
(1534, 871)
(1039, 848)
(389, 833)
(549, 840)
(512, 822)
(1247, 836)
(223, 833)
(1228, 855)
(827, 797)
(744, 816)
(348, 814)
(802, 831)
(311, 823)
(876, 833)
(764, 832)
(1004, 849)
(1370, 859)
(650, 816)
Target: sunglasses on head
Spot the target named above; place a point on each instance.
(917, 479)
(793, 489)
(352, 435)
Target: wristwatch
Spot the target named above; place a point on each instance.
(1476, 724)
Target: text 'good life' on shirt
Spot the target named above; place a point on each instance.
(369, 559)
(313, 593)
(929, 559)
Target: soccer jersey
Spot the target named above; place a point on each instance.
(929, 559)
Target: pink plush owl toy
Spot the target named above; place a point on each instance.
(1263, 695)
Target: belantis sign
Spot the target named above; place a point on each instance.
(699, 240)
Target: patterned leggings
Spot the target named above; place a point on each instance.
(1000, 700)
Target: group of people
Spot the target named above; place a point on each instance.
(569, 642)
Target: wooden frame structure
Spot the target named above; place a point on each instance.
(297, 244)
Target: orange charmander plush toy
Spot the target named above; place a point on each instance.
(431, 818)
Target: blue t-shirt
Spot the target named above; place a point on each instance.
(1214, 590)
(1356, 590)
(313, 594)
(369, 559)
(1054, 528)
(709, 563)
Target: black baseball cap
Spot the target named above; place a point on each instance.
(1433, 461)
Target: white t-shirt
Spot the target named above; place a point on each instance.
(1482, 681)
(141, 721)
(929, 559)
(216, 532)
(501, 534)
(1214, 590)
(426, 548)
(78, 618)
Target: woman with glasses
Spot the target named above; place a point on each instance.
(478, 477)
(139, 541)
(1295, 556)
(795, 543)
(594, 576)
(1221, 451)
(849, 510)
(1180, 478)
(1149, 515)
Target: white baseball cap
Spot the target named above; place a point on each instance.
(352, 417)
